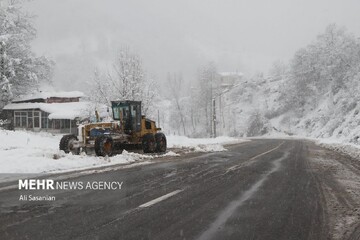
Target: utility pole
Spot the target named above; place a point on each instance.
(159, 117)
(213, 120)
(211, 109)
(2, 52)
(214, 117)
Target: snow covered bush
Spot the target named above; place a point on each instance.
(3, 124)
(257, 125)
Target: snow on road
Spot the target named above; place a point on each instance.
(341, 187)
(201, 144)
(336, 144)
(28, 152)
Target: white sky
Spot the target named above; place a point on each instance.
(179, 35)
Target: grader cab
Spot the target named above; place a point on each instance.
(128, 130)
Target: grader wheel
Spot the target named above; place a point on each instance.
(148, 143)
(160, 140)
(104, 146)
(66, 144)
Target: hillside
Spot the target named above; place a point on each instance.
(260, 110)
(315, 95)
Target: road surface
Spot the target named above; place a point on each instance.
(263, 189)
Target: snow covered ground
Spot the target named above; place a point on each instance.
(338, 145)
(350, 149)
(341, 146)
(201, 144)
(28, 153)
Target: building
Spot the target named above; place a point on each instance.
(229, 79)
(55, 112)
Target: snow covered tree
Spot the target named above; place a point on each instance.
(6, 73)
(21, 71)
(175, 83)
(149, 95)
(206, 80)
(257, 125)
(323, 67)
(124, 81)
(279, 70)
(129, 75)
(101, 91)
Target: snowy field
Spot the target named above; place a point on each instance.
(28, 152)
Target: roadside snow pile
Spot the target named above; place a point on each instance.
(28, 152)
(344, 148)
(201, 144)
(169, 154)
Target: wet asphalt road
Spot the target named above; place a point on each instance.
(263, 189)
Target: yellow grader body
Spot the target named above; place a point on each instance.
(129, 130)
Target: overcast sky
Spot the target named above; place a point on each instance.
(180, 35)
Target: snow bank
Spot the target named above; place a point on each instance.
(34, 153)
(350, 149)
(28, 152)
(201, 144)
(332, 143)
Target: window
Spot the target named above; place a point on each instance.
(21, 120)
(36, 119)
(57, 124)
(66, 123)
(50, 123)
(17, 119)
(23, 116)
(30, 120)
(147, 124)
(133, 111)
(116, 113)
(74, 124)
(27, 119)
(44, 120)
(121, 113)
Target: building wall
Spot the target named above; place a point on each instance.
(37, 120)
(61, 100)
(37, 100)
(230, 80)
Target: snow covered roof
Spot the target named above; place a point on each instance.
(226, 74)
(46, 95)
(69, 110)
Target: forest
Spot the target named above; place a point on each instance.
(315, 94)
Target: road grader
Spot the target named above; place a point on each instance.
(128, 130)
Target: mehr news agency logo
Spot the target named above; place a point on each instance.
(49, 184)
